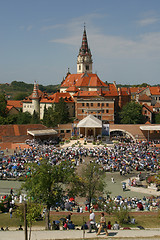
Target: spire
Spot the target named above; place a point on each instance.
(84, 50)
(35, 94)
(84, 60)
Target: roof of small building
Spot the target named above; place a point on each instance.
(155, 90)
(90, 121)
(15, 103)
(83, 80)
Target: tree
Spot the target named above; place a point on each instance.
(20, 96)
(157, 118)
(35, 118)
(24, 118)
(132, 113)
(57, 114)
(92, 181)
(3, 105)
(32, 215)
(61, 112)
(45, 183)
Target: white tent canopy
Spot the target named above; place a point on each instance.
(44, 132)
(150, 128)
(90, 122)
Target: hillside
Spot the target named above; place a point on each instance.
(18, 90)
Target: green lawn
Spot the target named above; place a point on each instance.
(148, 220)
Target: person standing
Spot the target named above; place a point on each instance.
(102, 225)
(92, 222)
(10, 212)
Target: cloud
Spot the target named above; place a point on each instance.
(143, 46)
(29, 28)
(148, 21)
(108, 46)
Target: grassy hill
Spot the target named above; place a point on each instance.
(18, 90)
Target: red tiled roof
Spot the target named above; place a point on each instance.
(86, 94)
(157, 105)
(155, 90)
(72, 89)
(15, 103)
(124, 91)
(82, 80)
(9, 107)
(57, 96)
(144, 97)
(136, 89)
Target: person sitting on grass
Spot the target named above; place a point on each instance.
(71, 225)
(116, 226)
(109, 226)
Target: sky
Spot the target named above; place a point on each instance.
(40, 39)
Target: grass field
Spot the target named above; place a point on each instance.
(144, 219)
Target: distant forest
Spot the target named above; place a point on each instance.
(18, 90)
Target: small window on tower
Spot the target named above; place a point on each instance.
(79, 67)
(87, 67)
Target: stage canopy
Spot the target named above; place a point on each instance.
(90, 122)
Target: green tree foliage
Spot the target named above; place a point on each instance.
(157, 118)
(24, 118)
(35, 118)
(45, 183)
(92, 181)
(3, 110)
(20, 96)
(49, 117)
(61, 112)
(57, 114)
(132, 114)
(32, 215)
(122, 214)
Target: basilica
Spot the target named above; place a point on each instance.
(84, 92)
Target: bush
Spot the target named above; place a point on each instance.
(122, 215)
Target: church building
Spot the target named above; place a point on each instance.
(84, 92)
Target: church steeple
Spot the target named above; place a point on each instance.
(84, 60)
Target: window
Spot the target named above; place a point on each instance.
(145, 111)
(62, 131)
(102, 104)
(82, 111)
(83, 104)
(107, 104)
(107, 111)
(79, 67)
(98, 104)
(102, 111)
(68, 131)
(159, 98)
(87, 67)
(87, 104)
(91, 104)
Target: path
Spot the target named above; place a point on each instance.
(78, 234)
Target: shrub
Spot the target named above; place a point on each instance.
(122, 215)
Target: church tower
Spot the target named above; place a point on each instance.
(84, 60)
(36, 99)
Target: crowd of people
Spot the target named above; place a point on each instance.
(121, 157)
